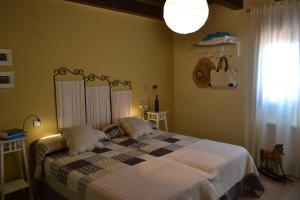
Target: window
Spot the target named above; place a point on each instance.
(279, 73)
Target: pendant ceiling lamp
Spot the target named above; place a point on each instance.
(185, 16)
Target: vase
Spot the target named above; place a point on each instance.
(156, 104)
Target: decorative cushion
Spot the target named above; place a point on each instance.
(135, 127)
(100, 135)
(113, 131)
(80, 139)
(152, 125)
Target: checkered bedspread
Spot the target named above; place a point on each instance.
(158, 144)
(128, 162)
(76, 172)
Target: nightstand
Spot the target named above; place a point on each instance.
(11, 146)
(157, 117)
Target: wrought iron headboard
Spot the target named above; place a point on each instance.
(116, 83)
(62, 71)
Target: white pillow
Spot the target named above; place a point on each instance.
(100, 135)
(80, 139)
(135, 127)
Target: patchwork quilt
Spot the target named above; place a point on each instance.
(77, 172)
(155, 179)
(127, 168)
(225, 164)
(158, 144)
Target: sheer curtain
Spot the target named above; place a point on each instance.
(70, 100)
(98, 106)
(121, 102)
(274, 113)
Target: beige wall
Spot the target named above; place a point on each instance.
(46, 34)
(207, 113)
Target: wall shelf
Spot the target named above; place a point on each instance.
(221, 45)
(214, 44)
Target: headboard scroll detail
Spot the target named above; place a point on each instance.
(116, 83)
(64, 71)
(93, 77)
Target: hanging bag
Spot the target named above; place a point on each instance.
(223, 77)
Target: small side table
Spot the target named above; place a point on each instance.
(157, 117)
(10, 146)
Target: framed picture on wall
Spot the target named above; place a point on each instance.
(5, 57)
(7, 80)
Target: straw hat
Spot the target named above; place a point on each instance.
(201, 73)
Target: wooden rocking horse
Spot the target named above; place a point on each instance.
(276, 157)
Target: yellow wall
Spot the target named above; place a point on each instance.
(46, 34)
(207, 113)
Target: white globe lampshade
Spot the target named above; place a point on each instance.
(185, 16)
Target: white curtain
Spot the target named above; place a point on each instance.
(98, 106)
(274, 112)
(121, 104)
(70, 100)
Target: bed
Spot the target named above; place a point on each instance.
(158, 165)
(146, 168)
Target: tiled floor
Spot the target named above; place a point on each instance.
(278, 191)
(274, 191)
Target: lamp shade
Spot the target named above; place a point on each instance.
(185, 16)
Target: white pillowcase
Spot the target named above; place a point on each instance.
(135, 127)
(100, 135)
(80, 139)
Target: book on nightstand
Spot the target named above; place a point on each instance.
(11, 134)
